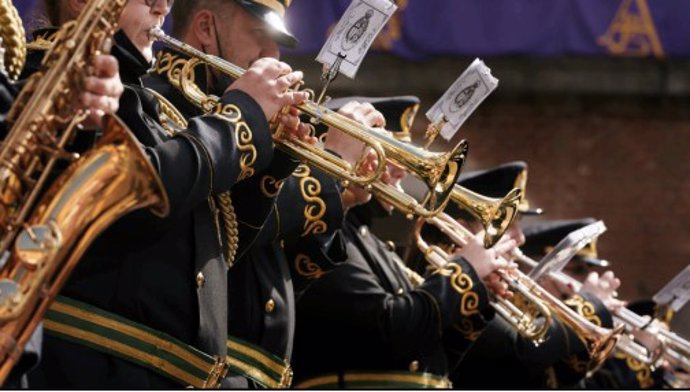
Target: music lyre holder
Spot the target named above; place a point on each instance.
(328, 76)
(434, 130)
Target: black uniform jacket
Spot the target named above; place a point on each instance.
(365, 314)
(164, 273)
(276, 208)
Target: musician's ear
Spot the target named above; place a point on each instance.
(203, 29)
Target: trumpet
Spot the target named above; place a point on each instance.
(532, 324)
(496, 215)
(439, 171)
(672, 345)
(598, 341)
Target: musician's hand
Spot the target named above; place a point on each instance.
(354, 194)
(347, 147)
(102, 90)
(294, 128)
(497, 286)
(268, 81)
(485, 261)
(604, 287)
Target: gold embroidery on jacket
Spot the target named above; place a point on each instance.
(643, 373)
(462, 283)
(169, 118)
(315, 207)
(307, 268)
(270, 186)
(584, 308)
(467, 329)
(243, 138)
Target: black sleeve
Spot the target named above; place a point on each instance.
(255, 202)
(309, 204)
(408, 322)
(213, 154)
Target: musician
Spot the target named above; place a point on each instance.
(152, 286)
(365, 325)
(260, 290)
(522, 362)
(620, 371)
(103, 90)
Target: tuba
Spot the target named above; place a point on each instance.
(46, 228)
(12, 40)
(439, 171)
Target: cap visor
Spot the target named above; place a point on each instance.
(282, 37)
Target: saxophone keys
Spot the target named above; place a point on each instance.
(36, 243)
(10, 298)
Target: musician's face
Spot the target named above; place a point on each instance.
(140, 16)
(242, 37)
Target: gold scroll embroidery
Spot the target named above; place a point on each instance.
(315, 207)
(307, 268)
(584, 308)
(462, 283)
(243, 138)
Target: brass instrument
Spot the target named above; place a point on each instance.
(12, 40)
(496, 215)
(532, 324)
(44, 233)
(599, 341)
(626, 344)
(439, 171)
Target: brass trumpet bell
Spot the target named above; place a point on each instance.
(496, 215)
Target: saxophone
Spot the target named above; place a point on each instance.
(46, 228)
(12, 40)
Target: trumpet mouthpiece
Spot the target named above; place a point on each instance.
(156, 32)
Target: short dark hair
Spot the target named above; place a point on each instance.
(183, 11)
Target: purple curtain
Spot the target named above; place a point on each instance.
(426, 28)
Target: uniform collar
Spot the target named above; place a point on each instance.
(133, 65)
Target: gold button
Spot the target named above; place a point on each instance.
(363, 231)
(414, 366)
(200, 279)
(401, 291)
(390, 245)
(270, 305)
